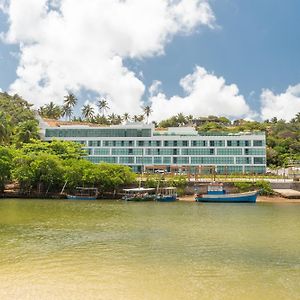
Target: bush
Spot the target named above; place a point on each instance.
(263, 186)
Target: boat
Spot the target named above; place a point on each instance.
(166, 194)
(139, 194)
(83, 193)
(216, 193)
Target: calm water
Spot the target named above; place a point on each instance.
(116, 250)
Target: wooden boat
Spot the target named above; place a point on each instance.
(84, 194)
(216, 193)
(139, 194)
(167, 194)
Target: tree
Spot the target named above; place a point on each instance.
(67, 112)
(43, 171)
(50, 111)
(87, 111)
(135, 118)
(63, 149)
(103, 106)
(69, 103)
(126, 117)
(5, 128)
(70, 100)
(147, 111)
(6, 158)
(27, 131)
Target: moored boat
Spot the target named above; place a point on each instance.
(216, 193)
(166, 194)
(84, 194)
(139, 194)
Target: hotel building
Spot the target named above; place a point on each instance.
(139, 145)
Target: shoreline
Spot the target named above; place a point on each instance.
(260, 199)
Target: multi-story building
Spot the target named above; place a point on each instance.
(140, 145)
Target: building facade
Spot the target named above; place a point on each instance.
(141, 145)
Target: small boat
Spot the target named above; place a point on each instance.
(139, 194)
(216, 193)
(167, 194)
(84, 194)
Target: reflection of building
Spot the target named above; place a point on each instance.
(140, 145)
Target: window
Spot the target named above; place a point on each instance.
(259, 160)
(230, 151)
(258, 143)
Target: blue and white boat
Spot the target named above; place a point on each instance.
(167, 194)
(84, 194)
(216, 193)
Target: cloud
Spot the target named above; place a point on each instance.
(68, 45)
(154, 88)
(205, 94)
(282, 106)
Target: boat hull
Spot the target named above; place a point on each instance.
(71, 197)
(229, 198)
(139, 199)
(166, 198)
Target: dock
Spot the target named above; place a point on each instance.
(288, 193)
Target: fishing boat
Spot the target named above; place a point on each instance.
(139, 194)
(83, 193)
(216, 193)
(166, 194)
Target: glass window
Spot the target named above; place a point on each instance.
(243, 160)
(259, 160)
(101, 151)
(199, 143)
(126, 160)
(231, 151)
(258, 143)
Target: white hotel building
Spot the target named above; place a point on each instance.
(139, 145)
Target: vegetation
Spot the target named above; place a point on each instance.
(263, 186)
(46, 167)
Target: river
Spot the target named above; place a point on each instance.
(59, 249)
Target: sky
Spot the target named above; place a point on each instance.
(233, 58)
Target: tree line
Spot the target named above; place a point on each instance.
(54, 111)
(18, 125)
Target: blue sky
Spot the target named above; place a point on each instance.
(254, 45)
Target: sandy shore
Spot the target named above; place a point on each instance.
(273, 199)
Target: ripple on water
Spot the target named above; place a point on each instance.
(117, 250)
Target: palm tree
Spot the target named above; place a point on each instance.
(141, 118)
(50, 110)
(119, 120)
(147, 111)
(67, 112)
(126, 117)
(135, 118)
(70, 100)
(112, 118)
(190, 119)
(103, 106)
(181, 119)
(297, 117)
(87, 111)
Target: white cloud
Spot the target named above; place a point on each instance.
(72, 45)
(206, 94)
(282, 106)
(154, 88)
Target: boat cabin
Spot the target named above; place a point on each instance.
(215, 189)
